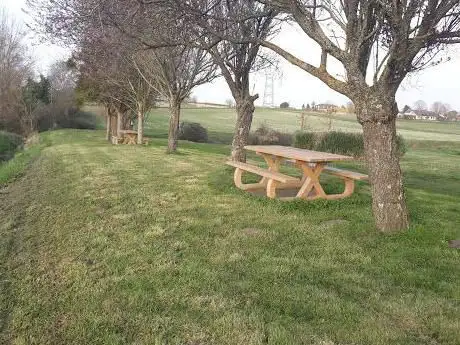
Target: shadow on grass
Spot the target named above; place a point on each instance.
(355, 208)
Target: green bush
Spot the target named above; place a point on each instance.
(9, 144)
(79, 120)
(55, 116)
(351, 144)
(402, 147)
(193, 131)
(305, 140)
(264, 135)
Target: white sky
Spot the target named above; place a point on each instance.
(440, 83)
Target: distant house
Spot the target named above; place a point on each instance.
(424, 115)
(408, 115)
(326, 108)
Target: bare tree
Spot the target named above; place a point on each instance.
(440, 108)
(171, 67)
(222, 28)
(15, 69)
(109, 59)
(231, 31)
(174, 72)
(377, 43)
(420, 105)
(230, 103)
(155, 39)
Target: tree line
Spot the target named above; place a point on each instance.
(438, 107)
(131, 51)
(27, 103)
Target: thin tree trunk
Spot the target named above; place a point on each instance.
(126, 123)
(119, 122)
(140, 125)
(109, 125)
(388, 199)
(245, 112)
(174, 118)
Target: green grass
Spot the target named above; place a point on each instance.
(15, 168)
(220, 123)
(9, 144)
(103, 244)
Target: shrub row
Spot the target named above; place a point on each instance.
(9, 144)
(351, 144)
(51, 117)
(264, 135)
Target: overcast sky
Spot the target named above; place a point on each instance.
(440, 83)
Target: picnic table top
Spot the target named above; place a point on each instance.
(298, 154)
(128, 131)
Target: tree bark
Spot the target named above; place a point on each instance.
(245, 112)
(140, 125)
(174, 118)
(109, 125)
(119, 122)
(377, 116)
(113, 122)
(126, 122)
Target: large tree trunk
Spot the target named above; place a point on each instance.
(140, 125)
(378, 118)
(174, 118)
(245, 112)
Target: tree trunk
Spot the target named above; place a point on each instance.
(174, 118)
(379, 128)
(109, 125)
(245, 112)
(119, 122)
(127, 122)
(113, 125)
(140, 126)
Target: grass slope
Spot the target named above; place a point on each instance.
(104, 244)
(220, 123)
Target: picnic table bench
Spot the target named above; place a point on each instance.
(312, 165)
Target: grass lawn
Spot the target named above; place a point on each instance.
(103, 244)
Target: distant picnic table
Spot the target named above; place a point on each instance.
(126, 136)
(311, 163)
(129, 137)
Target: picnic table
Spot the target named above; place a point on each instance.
(311, 163)
(129, 137)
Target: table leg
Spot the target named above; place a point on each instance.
(270, 186)
(311, 181)
(273, 163)
(132, 139)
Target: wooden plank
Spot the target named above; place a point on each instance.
(345, 173)
(263, 172)
(298, 154)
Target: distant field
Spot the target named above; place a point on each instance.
(220, 123)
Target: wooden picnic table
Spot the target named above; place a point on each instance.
(129, 137)
(311, 163)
